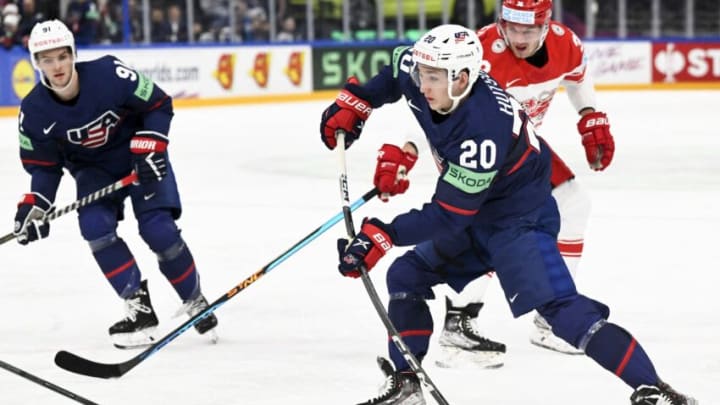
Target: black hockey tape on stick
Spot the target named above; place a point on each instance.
(370, 287)
(88, 199)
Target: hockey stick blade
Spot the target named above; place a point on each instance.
(80, 365)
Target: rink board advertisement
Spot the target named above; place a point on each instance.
(219, 72)
(333, 65)
(229, 74)
(674, 62)
(17, 76)
(616, 62)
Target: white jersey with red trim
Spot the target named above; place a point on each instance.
(535, 86)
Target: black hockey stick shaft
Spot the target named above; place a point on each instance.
(370, 287)
(88, 199)
(80, 365)
(46, 384)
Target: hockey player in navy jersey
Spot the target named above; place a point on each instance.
(100, 120)
(491, 209)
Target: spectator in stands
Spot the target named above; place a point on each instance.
(11, 36)
(29, 16)
(82, 19)
(217, 16)
(259, 25)
(288, 30)
(109, 28)
(176, 25)
(158, 27)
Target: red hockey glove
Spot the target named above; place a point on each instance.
(149, 157)
(393, 165)
(366, 248)
(348, 113)
(30, 224)
(597, 140)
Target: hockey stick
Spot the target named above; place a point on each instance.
(46, 384)
(79, 365)
(372, 292)
(88, 199)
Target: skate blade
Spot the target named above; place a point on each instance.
(212, 334)
(135, 340)
(453, 357)
(554, 343)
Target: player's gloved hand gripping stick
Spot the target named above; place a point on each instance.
(377, 303)
(39, 223)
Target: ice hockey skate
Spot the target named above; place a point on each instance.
(661, 394)
(208, 323)
(543, 336)
(136, 329)
(462, 346)
(401, 388)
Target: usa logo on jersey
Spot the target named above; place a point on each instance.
(96, 133)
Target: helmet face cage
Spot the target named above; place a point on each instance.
(49, 35)
(526, 12)
(453, 48)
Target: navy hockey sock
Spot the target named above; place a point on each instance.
(617, 351)
(413, 321)
(178, 266)
(118, 264)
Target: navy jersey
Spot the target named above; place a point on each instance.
(493, 166)
(94, 129)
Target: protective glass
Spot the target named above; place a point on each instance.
(428, 77)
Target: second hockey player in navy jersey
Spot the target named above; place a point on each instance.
(491, 209)
(100, 120)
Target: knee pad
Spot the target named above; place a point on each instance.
(410, 276)
(102, 242)
(575, 318)
(96, 221)
(157, 228)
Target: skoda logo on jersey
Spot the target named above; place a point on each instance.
(95, 134)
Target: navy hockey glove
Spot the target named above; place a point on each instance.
(349, 113)
(149, 157)
(597, 140)
(393, 165)
(369, 246)
(30, 224)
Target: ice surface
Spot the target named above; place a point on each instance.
(256, 179)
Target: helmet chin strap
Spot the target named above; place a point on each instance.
(455, 99)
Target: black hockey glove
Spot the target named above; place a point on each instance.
(30, 224)
(149, 158)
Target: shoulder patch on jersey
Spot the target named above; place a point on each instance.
(499, 46)
(396, 60)
(467, 180)
(557, 30)
(145, 87)
(25, 142)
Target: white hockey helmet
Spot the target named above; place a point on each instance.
(48, 35)
(451, 47)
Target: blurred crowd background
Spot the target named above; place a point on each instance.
(252, 21)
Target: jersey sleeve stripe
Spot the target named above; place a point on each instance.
(457, 210)
(38, 162)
